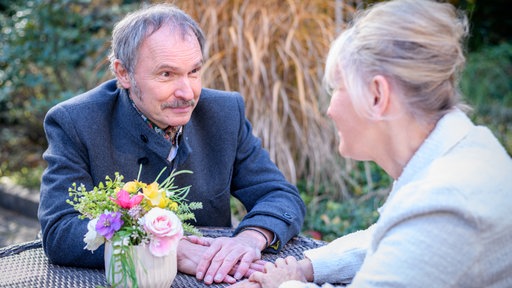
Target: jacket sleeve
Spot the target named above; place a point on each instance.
(339, 261)
(62, 230)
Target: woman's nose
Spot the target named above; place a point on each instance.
(328, 112)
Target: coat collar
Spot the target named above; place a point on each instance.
(449, 131)
(132, 123)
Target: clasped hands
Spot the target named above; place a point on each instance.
(222, 259)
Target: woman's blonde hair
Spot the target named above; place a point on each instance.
(416, 44)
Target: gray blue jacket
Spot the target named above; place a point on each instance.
(99, 133)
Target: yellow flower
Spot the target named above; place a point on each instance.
(155, 196)
(133, 186)
(173, 205)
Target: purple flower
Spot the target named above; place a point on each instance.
(108, 224)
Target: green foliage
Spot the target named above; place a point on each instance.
(28, 177)
(331, 219)
(93, 203)
(331, 216)
(20, 156)
(49, 51)
(487, 87)
(45, 56)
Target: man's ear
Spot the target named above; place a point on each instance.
(122, 74)
(380, 91)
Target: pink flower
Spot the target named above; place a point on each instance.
(162, 246)
(125, 201)
(165, 230)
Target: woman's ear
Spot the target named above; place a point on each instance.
(122, 74)
(381, 95)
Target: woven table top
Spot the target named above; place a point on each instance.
(26, 265)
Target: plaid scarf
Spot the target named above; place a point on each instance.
(170, 133)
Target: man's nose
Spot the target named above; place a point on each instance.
(184, 88)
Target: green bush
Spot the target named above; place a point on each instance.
(331, 216)
(49, 51)
(487, 86)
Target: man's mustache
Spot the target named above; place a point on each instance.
(179, 104)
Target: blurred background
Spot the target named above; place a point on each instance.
(272, 51)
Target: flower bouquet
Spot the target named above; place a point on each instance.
(130, 215)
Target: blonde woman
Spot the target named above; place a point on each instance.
(447, 222)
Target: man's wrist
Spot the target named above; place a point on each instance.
(261, 233)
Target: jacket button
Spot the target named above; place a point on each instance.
(143, 161)
(144, 138)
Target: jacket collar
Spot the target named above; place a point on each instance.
(449, 131)
(133, 124)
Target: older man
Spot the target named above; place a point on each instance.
(156, 114)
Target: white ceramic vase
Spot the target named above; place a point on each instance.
(151, 271)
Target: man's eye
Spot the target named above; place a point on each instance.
(195, 71)
(165, 74)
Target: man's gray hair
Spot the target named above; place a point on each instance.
(134, 28)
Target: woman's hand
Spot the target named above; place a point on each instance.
(246, 284)
(281, 271)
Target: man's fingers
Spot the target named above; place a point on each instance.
(256, 266)
(205, 262)
(227, 256)
(222, 264)
(243, 266)
(229, 279)
(204, 241)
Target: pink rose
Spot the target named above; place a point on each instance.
(165, 230)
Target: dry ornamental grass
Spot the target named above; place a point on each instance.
(273, 52)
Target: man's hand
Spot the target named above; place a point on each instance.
(223, 254)
(198, 252)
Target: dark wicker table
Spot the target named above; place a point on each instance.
(25, 265)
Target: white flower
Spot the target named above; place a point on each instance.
(92, 238)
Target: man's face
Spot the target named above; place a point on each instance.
(167, 77)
